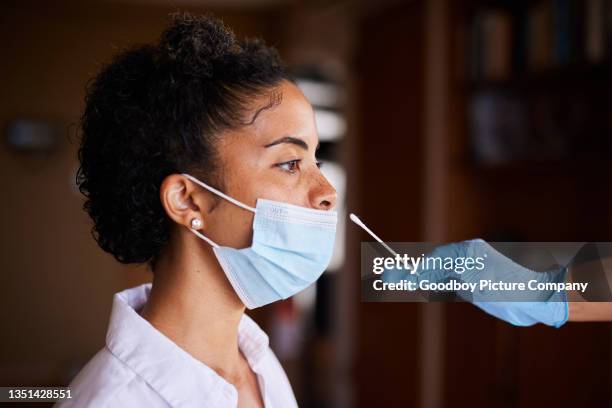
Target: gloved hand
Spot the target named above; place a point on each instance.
(531, 307)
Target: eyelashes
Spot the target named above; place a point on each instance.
(292, 166)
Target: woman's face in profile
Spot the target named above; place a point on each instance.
(273, 158)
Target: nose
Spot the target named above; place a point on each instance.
(323, 194)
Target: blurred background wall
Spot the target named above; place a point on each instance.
(440, 120)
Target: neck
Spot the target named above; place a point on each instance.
(193, 304)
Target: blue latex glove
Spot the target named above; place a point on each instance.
(548, 307)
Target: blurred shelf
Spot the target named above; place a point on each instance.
(530, 167)
(570, 76)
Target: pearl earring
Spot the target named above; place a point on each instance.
(196, 223)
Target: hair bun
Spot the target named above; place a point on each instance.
(194, 45)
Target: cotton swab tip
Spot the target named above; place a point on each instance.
(357, 221)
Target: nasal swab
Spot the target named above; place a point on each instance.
(357, 221)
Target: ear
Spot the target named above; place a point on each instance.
(184, 201)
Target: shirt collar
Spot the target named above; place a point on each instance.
(177, 376)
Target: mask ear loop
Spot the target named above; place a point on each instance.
(219, 193)
(223, 195)
(205, 238)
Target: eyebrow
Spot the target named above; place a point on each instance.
(292, 140)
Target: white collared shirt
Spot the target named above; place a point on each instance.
(140, 367)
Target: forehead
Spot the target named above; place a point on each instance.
(291, 115)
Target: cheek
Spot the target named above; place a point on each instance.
(287, 188)
(264, 181)
(232, 226)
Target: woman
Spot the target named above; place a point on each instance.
(192, 148)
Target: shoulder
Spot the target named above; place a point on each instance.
(105, 381)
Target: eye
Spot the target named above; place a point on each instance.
(290, 166)
(319, 164)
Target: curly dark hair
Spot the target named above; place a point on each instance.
(156, 110)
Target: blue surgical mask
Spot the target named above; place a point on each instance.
(291, 248)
